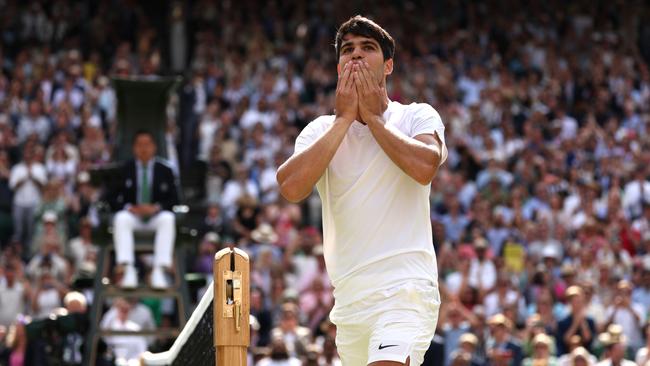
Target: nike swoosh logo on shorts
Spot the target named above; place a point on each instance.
(386, 346)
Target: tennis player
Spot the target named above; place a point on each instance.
(372, 163)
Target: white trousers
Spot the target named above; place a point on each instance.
(163, 223)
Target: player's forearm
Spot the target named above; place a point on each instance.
(298, 175)
(417, 159)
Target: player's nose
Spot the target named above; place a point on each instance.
(357, 54)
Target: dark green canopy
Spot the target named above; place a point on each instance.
(141, 104)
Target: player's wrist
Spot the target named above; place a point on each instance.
(343, 120)
(374, 121)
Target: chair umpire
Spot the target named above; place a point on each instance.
(144, 198)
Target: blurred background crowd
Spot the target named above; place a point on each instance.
(541, 213)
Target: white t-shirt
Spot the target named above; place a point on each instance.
(631, 327)
(29, 194)
(128, 347)
(47, 300)
(12, 301)
(376, 223)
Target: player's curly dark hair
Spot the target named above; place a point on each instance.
(362, 26)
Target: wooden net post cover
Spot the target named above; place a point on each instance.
(231, 306)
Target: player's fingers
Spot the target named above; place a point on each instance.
(356, 76)
(345, 78)
(350, 82)
(367, 77)
(361, 79)
(370, 79)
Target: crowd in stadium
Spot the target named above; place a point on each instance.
(541, 214)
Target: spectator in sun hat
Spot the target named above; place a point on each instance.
(534, 326)
(469, 343)
(502, 347)
(578, 357)
(295, 336)
(264, 238)
(264, 234)
(614, 343)
(542, 352)
(576, 323)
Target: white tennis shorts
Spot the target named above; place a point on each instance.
(390, 325)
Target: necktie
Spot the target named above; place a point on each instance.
(144, 186)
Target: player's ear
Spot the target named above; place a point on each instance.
(388, 66)
(338, 69)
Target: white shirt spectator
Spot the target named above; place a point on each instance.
(74, 96)
(62, 169)
(47, 301)
(453, 282)
(471, 90)
(482, 275)
(253, 116)
(12, 301)
(106, 102)
(28, 194)
(494, 304)
(568, 127)
(632, 197)
(627, 319)
(139, 314)
(125, 347)
(29, 125)
(234, 190)
(207, 128)
(79, 251)
(268, 185)
(58, 266)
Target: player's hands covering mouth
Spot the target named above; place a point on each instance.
(347, 101)
(371, 94)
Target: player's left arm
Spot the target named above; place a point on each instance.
(418, 156)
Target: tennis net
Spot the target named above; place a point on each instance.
(195, 343)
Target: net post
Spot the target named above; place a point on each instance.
(231, 307)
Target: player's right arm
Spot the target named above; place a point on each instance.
(298, 175)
